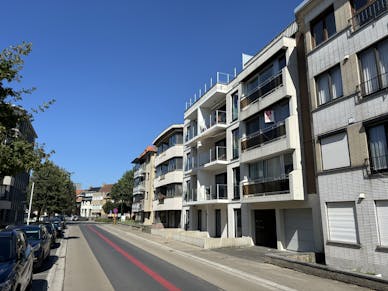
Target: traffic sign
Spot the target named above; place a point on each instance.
(115, 210)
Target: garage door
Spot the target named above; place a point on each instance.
(298, 226)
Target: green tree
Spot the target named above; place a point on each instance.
(16, 153)
(122, 191)
(54, 192)
(108, 207)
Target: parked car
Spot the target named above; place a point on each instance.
(16, 261)
(39, 239)
(58, 227)
(51, 229)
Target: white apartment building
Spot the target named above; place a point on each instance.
(167, 203)
(143, 188)
(346, 48)
(243, 159)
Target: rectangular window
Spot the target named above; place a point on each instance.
(378, 149)
(235, 141)
(234, 106)
(382, 221)
(271, 169)
(365, 11)
(329, 85)
(323, 27)
(236, 183)
(237, 223)
(341, 222)
(374, 68)
(335, 152)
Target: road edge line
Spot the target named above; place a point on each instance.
(57, 271)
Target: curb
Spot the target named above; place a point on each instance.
(327, 272)
(56, 276)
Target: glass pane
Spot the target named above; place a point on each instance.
(357, 4)
(252, 126)
(234, 106)
(378, 147)
(318, 32)
(336, 82)
(323, 89)
(383, 62)
(252, 84)
(273, 168)
(369, 72)
(266, 74)
(330, 24)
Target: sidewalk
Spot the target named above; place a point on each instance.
(243, 263)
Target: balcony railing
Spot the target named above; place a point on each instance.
(267, 186)
(368, 13)
(217, 153)
(262, 89)
(373, 85)
(220, 191)
(137, 198)
(190, 195)
(261, 137)
(191, 164)
(191, 133)
(236, 192)
(136, 207)
(217, 117)
(378, 164)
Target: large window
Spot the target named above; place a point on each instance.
(323, 27)
(234, 106)
(271, 169)
(335, 152)
(378, 149)
(173, 140)
(235, 141)
(169, 166)
(374, 68)
(382, 221)
(329, 85)
(342, 222)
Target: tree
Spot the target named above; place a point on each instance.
(108, 207)
(16, 153)
(54, 192)
(123, 189)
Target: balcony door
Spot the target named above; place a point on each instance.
(220, 186)
(218, 222)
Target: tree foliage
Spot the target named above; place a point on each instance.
(17, 154)
(54, 192)
(123, 189)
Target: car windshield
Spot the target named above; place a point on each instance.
(5, 249)
(32, 234)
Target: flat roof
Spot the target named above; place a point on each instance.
(166, 132)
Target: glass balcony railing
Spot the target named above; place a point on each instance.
(368, 13)
(220, 191)
(191, 164)
(217, 117)
(217, 153)
(190, 195)
(191, 133)
(236, 192)
(261, 137)
(262, 89)
(267, 186)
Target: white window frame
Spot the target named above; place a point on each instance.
(383, 237)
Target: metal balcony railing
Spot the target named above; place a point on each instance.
(374, 84)
(368, 14)
(267, 186)
(217, 153)
(261, 137)
(377, 164)
(220, 191)
(262, 89)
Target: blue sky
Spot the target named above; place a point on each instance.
(121, 71)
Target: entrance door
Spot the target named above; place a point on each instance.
(265, 228)
(218, 222)
(199, 219)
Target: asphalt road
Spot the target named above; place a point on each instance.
(131, 268)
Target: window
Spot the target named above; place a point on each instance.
(329, 85)
(237, 223)
(378, 149)
(235, 141)
(234, 106)
(365, 11)
(335, 152)
(382, 219)
(236, 183)
(341, 222)
(271, 169)
(374, 68)
(323, 27)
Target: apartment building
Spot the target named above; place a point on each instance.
(346, 57)
(167, 203)
(143, 188)
(244, 174)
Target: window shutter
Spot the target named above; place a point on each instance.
(341, 222)
(382, 221)
(335, 152)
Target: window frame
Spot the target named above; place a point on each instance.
(331, 135)
(236, 115)
(322, 18)
(329, 74)
(367, 128)
(237, 139)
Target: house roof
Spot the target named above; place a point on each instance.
(149, 149)
(166, 132)
(106, 188)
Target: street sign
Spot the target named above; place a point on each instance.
(115, 210)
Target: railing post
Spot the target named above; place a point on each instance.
(211, 82)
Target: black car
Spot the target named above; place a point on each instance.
(16, 261)
(51, 229)
(39, 239)
(58, 226)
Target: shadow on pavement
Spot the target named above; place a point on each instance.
(39, 285)
(47, 264)
(71, 237)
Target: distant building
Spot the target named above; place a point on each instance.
(13, 190)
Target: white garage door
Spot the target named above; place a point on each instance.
(298, 226)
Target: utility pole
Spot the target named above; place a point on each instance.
(29, 208)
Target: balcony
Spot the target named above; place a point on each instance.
(191, 135)
(213, 159)
(139, 170)
(137, 198)
(214, 124)
(262, 90)
(267, 186)
(368, 14)
(262, 137)
(190, 196)
(220, 191)
(373, 85)
(191, 164)
(137, 207)
(139, 188)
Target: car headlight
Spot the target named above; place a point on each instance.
(7, 285)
